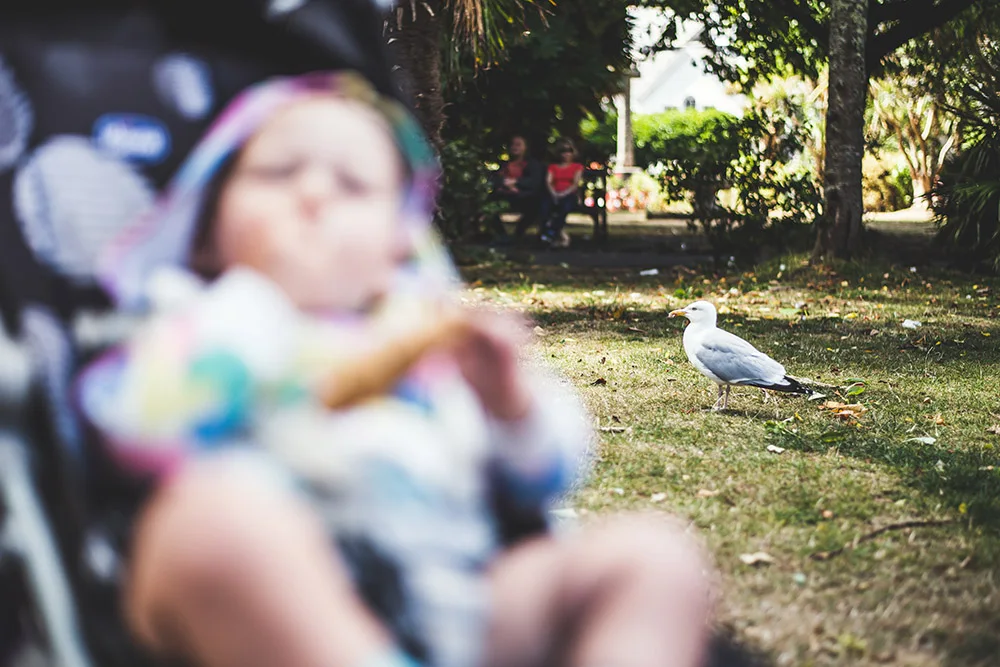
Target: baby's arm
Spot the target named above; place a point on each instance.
(544, 454)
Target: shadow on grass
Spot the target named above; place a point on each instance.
(956, 478)
(851, 342)
(726, 650)
(953, 476)
(977, 647)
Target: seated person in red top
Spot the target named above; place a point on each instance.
(564, 179)
(519, 183)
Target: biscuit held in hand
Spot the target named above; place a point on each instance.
(376, 373)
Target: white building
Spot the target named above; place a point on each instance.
(676, 78)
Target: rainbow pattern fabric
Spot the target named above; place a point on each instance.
(405, 483)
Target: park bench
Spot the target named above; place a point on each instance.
(593, 200)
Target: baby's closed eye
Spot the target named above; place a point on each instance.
(274, 171)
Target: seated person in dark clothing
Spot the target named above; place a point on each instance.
(519, 182)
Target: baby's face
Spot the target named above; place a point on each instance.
(313, 203)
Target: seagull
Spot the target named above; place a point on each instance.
(727, 359)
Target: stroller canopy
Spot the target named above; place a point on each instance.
(101, 100)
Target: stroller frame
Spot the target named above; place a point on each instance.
(26, 532)
(56, 555)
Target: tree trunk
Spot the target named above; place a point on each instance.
(922, 184)
(838, 231)
(416, 43)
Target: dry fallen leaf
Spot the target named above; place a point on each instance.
(844, 410)
(938, 419)
(759, 558)
(995, 429)
(707, 493)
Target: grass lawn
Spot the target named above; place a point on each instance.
(791, 479)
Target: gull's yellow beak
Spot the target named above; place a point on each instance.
(680, 312)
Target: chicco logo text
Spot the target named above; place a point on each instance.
(132, 137)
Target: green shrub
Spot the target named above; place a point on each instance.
(967, 202)
(967, 199)
(600, 136)
(759, 160)
(682, 135)
(464, 205)
(668, 135)
(758, 157)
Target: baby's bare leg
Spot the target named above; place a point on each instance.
(630, 593)
(231, 570)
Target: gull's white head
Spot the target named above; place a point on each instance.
(699, 312)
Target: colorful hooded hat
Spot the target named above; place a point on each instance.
(162, 237)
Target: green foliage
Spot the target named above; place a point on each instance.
(762, 157)
(698, 154)
(942, 64)
(465, 190)
(967, 201)
(600, 133)
(483, 29)
(558, 71)
(754, 40)
(683, 134)
(659, 136)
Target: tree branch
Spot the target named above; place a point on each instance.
(827, 555)
(911, 27)
(804, 17)
(884, 12)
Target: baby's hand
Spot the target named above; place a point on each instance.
(488, 357)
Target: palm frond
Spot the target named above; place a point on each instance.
(483, 29)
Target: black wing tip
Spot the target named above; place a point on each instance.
(793, 386)
(788, 385)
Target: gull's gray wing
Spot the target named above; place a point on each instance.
(735, 361)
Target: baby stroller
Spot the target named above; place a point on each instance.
(100, 100)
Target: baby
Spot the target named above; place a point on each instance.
(336, 444)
